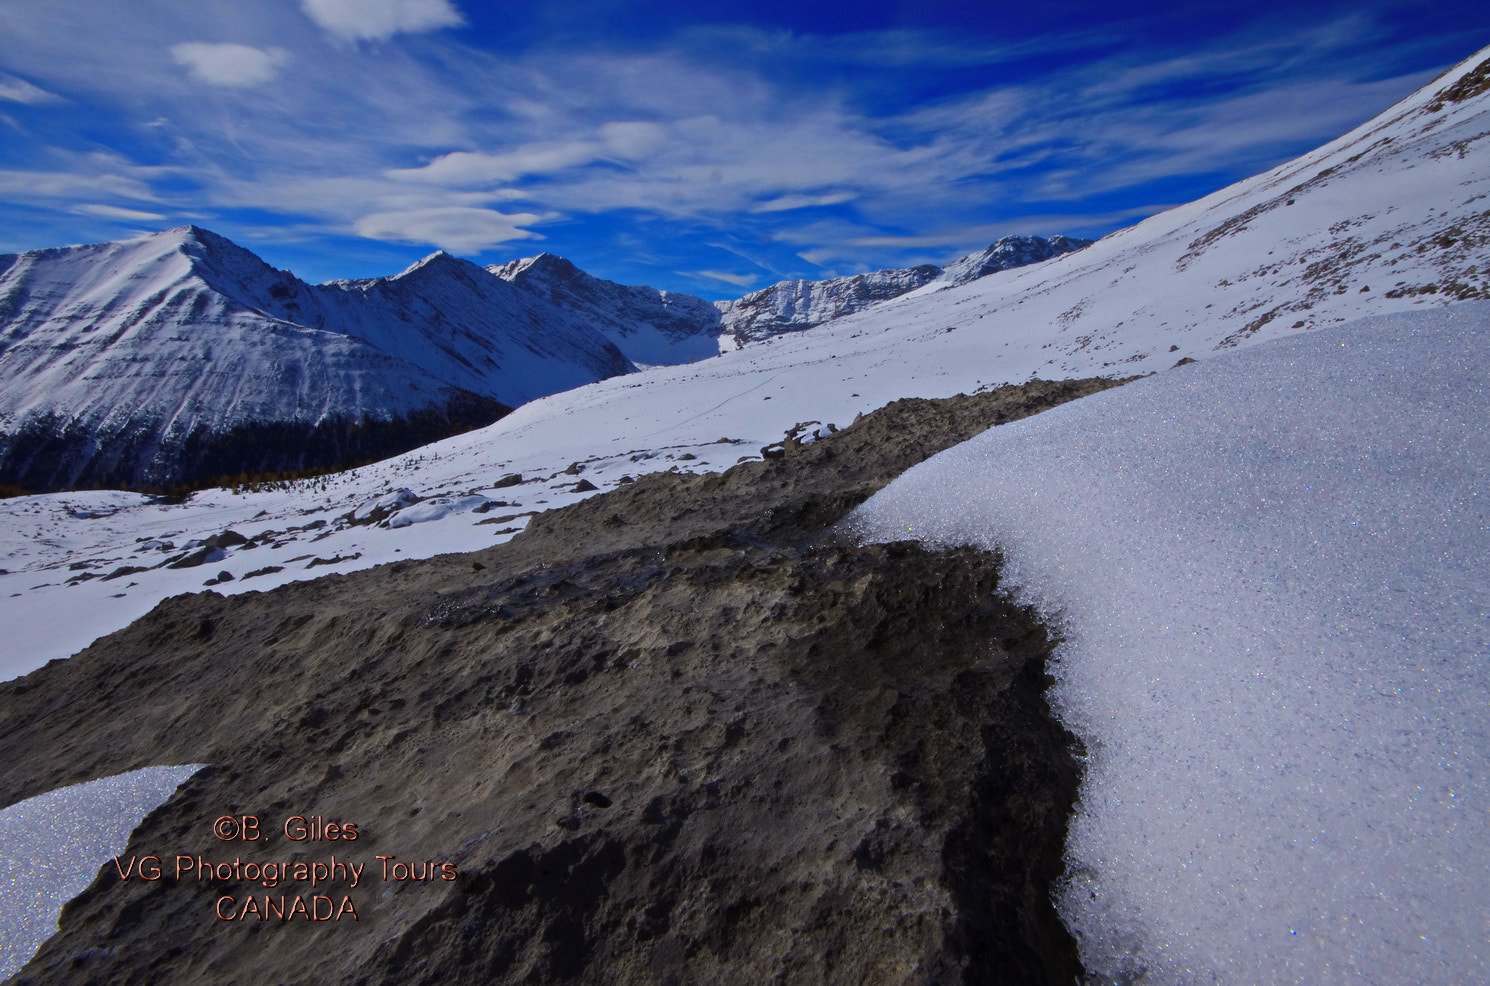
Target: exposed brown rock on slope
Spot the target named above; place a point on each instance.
(671, 734)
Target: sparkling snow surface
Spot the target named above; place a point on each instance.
(1270, 570)
(52, 845)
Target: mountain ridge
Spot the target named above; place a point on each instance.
(650, 326)
(795, 305)
(143, 363)
(120, 361)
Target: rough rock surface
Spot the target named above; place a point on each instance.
(676, 733)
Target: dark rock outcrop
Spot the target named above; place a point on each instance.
(676, 733)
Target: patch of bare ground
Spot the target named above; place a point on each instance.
(1469, 85)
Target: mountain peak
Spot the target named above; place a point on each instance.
(437, 261)
(1007, 252)
(543, 265)
(191, 233)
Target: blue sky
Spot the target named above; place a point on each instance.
(709, 147)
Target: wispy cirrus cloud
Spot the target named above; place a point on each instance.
(616, 142)
(1045, 140)
(116, 212)
(82, 178)
(709, 135)
(20, 91)
(788, 203)
(738, 280)
(461, 229)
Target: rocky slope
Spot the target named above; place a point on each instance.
(675, 733)
(790, 306)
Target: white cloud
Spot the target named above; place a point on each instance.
(738, 280)
(618, 141)
(375, 20)
(816, 257)
(458, 229)
(20, 91)
(114, 212)
(27, 185)
(789, 202)
(471, 168)
(233, 65)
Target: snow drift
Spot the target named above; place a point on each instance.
(1269, 573)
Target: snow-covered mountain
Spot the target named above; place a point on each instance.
(661, 327)
(790, 306)
(1008, 253)
(649, 326)
(180, 356)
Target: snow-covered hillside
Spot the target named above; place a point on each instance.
(1268, 571)
(791, 306)
(1193, 282)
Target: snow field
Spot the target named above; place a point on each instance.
(1268, 570)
